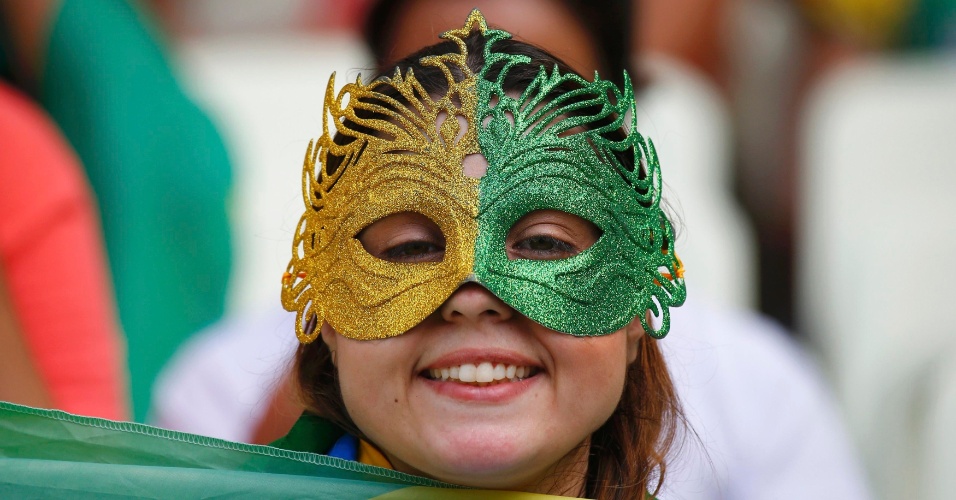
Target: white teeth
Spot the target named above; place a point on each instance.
(485, 373)
(482, 374)
(467, 372)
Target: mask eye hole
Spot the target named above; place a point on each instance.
(550, 235)
(406, 237)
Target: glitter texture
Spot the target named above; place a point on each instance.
(398, 158)
(548, 148)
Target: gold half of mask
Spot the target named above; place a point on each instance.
(399, 149)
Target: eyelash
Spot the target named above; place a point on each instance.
(559, 249)
(413, 251)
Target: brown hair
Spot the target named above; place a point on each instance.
(608, 26)
(627, 453)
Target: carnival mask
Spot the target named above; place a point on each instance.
(401, 148)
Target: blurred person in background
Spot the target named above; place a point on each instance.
(766, 423)
(774, 53)
(874, 125)
(60, 343)
(155, 162)
(890, 24)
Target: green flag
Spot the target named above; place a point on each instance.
(49, 453)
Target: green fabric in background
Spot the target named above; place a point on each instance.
(52, 454)
(159, 170)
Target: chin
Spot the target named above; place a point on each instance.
(492, 460)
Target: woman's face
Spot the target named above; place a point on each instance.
(478, 394)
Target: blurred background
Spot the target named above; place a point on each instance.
(808, 150)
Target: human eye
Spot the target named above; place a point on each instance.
(543, 247)
(550, 235)
(414, 251)
(405, 237)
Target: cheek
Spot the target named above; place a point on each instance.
(603, 357)
(370, 376)
(594, 374)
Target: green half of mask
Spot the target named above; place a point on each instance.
(559, 146)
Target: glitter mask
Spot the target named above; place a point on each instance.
(547, 149)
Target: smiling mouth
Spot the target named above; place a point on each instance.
(482, 374)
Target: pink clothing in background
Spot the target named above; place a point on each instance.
(52, 256)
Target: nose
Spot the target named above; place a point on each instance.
(472, 303)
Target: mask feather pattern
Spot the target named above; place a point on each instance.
(394, 148)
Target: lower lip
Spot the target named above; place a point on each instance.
(497, 393)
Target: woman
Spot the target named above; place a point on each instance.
(481, 247)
